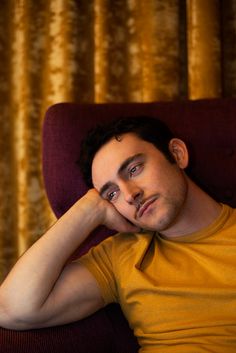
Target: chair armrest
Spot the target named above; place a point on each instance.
(106, 331)
(91, 335)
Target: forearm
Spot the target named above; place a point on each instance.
(36, 272)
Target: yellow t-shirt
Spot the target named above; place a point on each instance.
(179, 295)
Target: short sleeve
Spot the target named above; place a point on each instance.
(99, 262)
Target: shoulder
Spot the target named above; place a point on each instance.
(121, 249)
(122, 241)
(129, 247)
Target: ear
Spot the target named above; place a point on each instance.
(179, 151)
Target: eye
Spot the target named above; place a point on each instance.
(111, 196)
(135, 170)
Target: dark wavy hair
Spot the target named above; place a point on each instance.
(147, 128)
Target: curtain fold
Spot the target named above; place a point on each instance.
(8, 187)
(204, 48)
(95, 51)
(228, 35)
(137, 50)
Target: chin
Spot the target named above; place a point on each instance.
(162, 223)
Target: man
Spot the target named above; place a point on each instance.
(172, 266)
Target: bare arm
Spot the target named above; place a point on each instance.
(41, 290)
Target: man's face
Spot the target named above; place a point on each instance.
(140, 182)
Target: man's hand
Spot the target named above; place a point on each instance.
(110, 217)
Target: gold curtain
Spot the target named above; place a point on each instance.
(95, 51)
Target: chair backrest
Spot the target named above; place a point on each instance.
(207, 126)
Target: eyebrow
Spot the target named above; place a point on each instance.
(127, 162)
(121, 169)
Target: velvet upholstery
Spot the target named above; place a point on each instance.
(209, 129)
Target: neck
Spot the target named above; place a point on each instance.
(198, 212)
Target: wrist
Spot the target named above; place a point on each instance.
(93, 208)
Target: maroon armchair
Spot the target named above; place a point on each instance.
(209, 129)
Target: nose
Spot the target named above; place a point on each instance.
(132, 193)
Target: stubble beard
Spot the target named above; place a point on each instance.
(171, 210)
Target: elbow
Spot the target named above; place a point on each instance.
(21, 316)
(14, 322)
(11, 321)
(15, 319)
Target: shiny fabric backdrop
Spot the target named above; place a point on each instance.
(95, 51)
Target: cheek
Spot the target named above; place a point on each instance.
(168, 178)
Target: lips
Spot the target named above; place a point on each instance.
(145, 206)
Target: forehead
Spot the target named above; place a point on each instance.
(111, 155)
